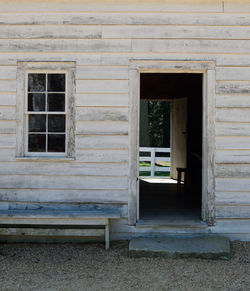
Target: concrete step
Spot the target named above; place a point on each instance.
(205, 247)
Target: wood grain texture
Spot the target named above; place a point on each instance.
(101, 114)
(102, 86)
(233, 170)
(51, 232)
(172, 31)
(233, 100)
(65, 196)
(101, 127)
(62, 182)
(132, 18)
(58, 169)
(102, 72)
(7, 126)
(115, 99)
(232, 73)
(232, 198)
(50, 32)
(233, 184)
(233, 129)
(233, 211)
(64, 45)
(233, 143)
(233, 87)
(190, 45)
(7, 140)
(7, 86)
(233, 114)
(101, 142)
(114, 6)
(102, 155)
(7, 99)
(233, 156)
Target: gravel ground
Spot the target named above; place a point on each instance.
(90, 267)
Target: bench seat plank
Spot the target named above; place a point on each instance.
(47, 217)
(52, 232)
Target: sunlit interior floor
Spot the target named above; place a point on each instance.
(161, 203)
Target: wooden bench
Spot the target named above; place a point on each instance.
(13, 222)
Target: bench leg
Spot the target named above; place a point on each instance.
(107, 236)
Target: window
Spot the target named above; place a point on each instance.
(47, 119)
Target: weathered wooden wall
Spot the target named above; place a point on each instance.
(102, 37)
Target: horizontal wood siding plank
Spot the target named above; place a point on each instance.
(7, 113)
(66, 196)
(233, 156)
(62, 182)
(58, 169)
(234, 198)
(81, 58)
(64, 45)
(233, 211)
(7, 154)
(233, 100)
(7, 85)
(101, 127)
(7, 126)
(239, 6)
(121, 59)
(233, 73)
(7, 99)
(232, 170)
(102, 99)
(231, 226)
(237, 87)
(233, 143)
(102, 72)
(232, 184)
(233, 114)
(101, 142)
(102, 86)
(131, 18)
(101, 114)
(7, 140)
(50, 31)
(221, 59)
(7, 72)
(102, 155)
(170, 31)
(232, 129)
(190, 45)
(115, 6)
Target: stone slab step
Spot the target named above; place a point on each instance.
(205, 247)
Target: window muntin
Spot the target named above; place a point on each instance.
(46, 113)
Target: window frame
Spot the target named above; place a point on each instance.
(25, 68)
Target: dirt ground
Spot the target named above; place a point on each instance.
(90, 267)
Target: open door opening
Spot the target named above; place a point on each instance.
(170, 182)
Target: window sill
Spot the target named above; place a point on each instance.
(44, 159)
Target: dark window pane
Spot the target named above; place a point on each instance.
(37, 143)
(56, 123)
(37, 123)
(36, 102)
(56, 102)
(56, 143)
(36, 82)
(56, 82)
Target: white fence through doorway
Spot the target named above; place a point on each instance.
(153, 159)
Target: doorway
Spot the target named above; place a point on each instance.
(171, 119)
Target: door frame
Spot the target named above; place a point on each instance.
(207, 69)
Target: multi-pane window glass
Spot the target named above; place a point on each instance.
(46, 113)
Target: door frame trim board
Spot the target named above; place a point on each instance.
(207, 69)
